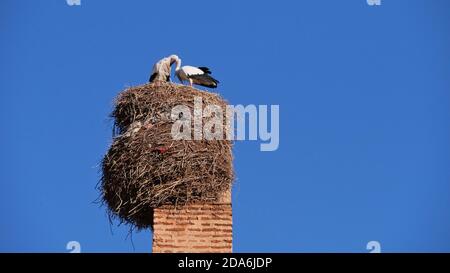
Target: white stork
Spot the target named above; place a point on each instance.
(161, 69)
(195, 75)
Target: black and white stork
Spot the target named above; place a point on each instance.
(161, 69)
(195, 75)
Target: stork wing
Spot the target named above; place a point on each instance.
(205, 69)
(205, 80)
(161, 71)
(192, 70)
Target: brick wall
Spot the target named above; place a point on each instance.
(199, 227)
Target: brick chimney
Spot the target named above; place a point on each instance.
(197, 227)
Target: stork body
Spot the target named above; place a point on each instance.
(195, 75)
(161, 69)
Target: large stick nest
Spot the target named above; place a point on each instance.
(145, 167)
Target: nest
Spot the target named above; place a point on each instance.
(146, 168)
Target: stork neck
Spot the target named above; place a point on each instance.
(178, 61)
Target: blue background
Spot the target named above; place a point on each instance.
(364, 95)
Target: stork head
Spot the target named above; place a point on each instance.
(173, 58)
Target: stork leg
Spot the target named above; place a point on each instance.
(190, 81)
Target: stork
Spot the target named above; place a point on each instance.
(195, 75)
(161, 69)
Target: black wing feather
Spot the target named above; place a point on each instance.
(204, 80)
(152, 77)
(205, 69)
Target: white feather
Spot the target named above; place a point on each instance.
(191, 70)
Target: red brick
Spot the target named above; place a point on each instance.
(193, 228)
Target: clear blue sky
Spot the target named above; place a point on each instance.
(364, 95)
